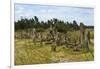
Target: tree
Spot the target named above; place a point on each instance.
(75, 25)
(59, 25)
(36, 19)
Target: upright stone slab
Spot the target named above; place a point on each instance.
(41, 38)
(88, 36)
(87, 40)
(53, 33)
(34, 35)
(82, 33)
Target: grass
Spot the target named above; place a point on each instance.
(26, 52)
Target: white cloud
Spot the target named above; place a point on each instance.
(48, 12)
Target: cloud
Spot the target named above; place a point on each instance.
(48, 12)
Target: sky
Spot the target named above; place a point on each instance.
(47, 12)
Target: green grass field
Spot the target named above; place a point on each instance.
(26, 52)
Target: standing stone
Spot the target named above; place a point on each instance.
(66, 39)
(82, 32)
(55, 38)
(41, 38)
(88, 36)
(53, 33)
(34, 35)
(87, 40)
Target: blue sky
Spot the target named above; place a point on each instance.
(43, 12)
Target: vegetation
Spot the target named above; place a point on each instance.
(60, 25)
(52, 41)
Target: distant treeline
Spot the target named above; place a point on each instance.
(59, 25)
(90, 27)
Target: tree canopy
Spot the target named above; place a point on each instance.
(34, 22)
